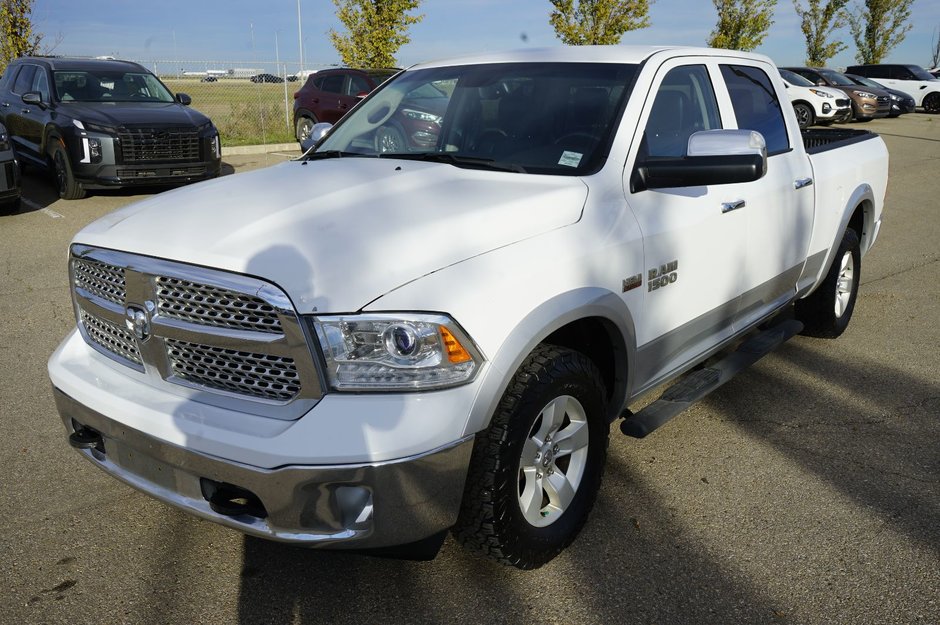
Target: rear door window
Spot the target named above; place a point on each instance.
(333, 84)
(756, 106)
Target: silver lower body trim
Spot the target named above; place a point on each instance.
(352, 506)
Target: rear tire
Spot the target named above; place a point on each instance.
(827, 312)
(536, 470)
(68, 187)
(932, 103)
(304, 126)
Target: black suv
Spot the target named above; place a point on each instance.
(102, 124)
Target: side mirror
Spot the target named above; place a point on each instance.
(316, 135)
(184, 99)
(361, 95)
(32, 97)
(714, 157)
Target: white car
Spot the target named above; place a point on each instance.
(815, 105)
(911, 79)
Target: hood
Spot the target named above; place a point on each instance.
(336, 234)
(133, 113)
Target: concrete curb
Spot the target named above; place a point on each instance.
(237, 150)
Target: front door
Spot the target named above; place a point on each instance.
(694, 248)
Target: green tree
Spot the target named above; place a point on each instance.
(818, 23)
(878, 26)
(742, 24)
(597, 22)
(16, 31)
(375, 30)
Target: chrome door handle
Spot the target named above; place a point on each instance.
(727, 207)
(799, 183)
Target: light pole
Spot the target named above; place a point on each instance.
(300, 38)
(277, 61)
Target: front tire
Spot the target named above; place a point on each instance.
(932, 103)
(390, 140)
(827, 312)
(535, 472)
(67, 186)
(804, 115)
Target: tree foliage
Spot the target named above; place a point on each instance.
(375, 30)
(742, 24)
(818, 23)
(597, 22)
(878, 26)
(16, 31)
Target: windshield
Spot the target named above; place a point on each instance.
(865, 82)
(795, 79)
(554, 118)
(836, 78)
(109, 86)
(920, 73)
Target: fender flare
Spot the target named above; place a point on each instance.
(549, 316)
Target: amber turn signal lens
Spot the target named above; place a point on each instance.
(455, 351)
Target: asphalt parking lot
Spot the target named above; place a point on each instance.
(807, 490)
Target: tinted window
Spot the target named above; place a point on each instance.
(357, 85)
(899, 72)
(756, 106)
(24, 80)
(685, 104)
(795, 79)
(41, 85)
(332, 84)
(874, 71)
(104, 85)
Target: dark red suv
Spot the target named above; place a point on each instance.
(328, 94)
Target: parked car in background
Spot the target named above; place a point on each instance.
(867, 103)
(258, 78)
(911, 79)
(900, 102)
(9, 174)
(812, 104)
(99, 124)
(327, 95)
(935, 72)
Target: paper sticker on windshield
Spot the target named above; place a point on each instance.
(570, 159)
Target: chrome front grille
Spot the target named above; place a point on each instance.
(207, 305)
(222, 338)
(257, 375)
(111, 337)
(99, 279)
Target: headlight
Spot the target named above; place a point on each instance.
(421, 116)
(4, 142)
(865, 94)
(894, 97)
(822, 94)
(395, 352)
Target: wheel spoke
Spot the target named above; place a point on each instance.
(529, 448)
(559, 490)
(530, 499)
(572, 438)
(553, 415)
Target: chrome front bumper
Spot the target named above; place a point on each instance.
(342, 506)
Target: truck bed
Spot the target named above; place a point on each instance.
(818, 140)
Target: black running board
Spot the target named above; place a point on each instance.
(696, 385)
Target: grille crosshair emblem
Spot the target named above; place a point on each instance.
(137, 320)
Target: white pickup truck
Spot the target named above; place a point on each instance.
(430, 320)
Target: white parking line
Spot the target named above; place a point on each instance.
(41, 209)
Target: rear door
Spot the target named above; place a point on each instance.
(779, 209)
(14, 111)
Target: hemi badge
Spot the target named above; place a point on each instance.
(632, 282)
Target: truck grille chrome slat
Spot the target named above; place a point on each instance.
(100, 279)
(111, 337)
(234, 340)
(207, 305)
(257, 375)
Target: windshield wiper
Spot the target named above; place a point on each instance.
(471, 162)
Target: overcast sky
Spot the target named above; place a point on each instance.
(244, 31)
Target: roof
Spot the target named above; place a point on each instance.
(71, 63)
(586, 54)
